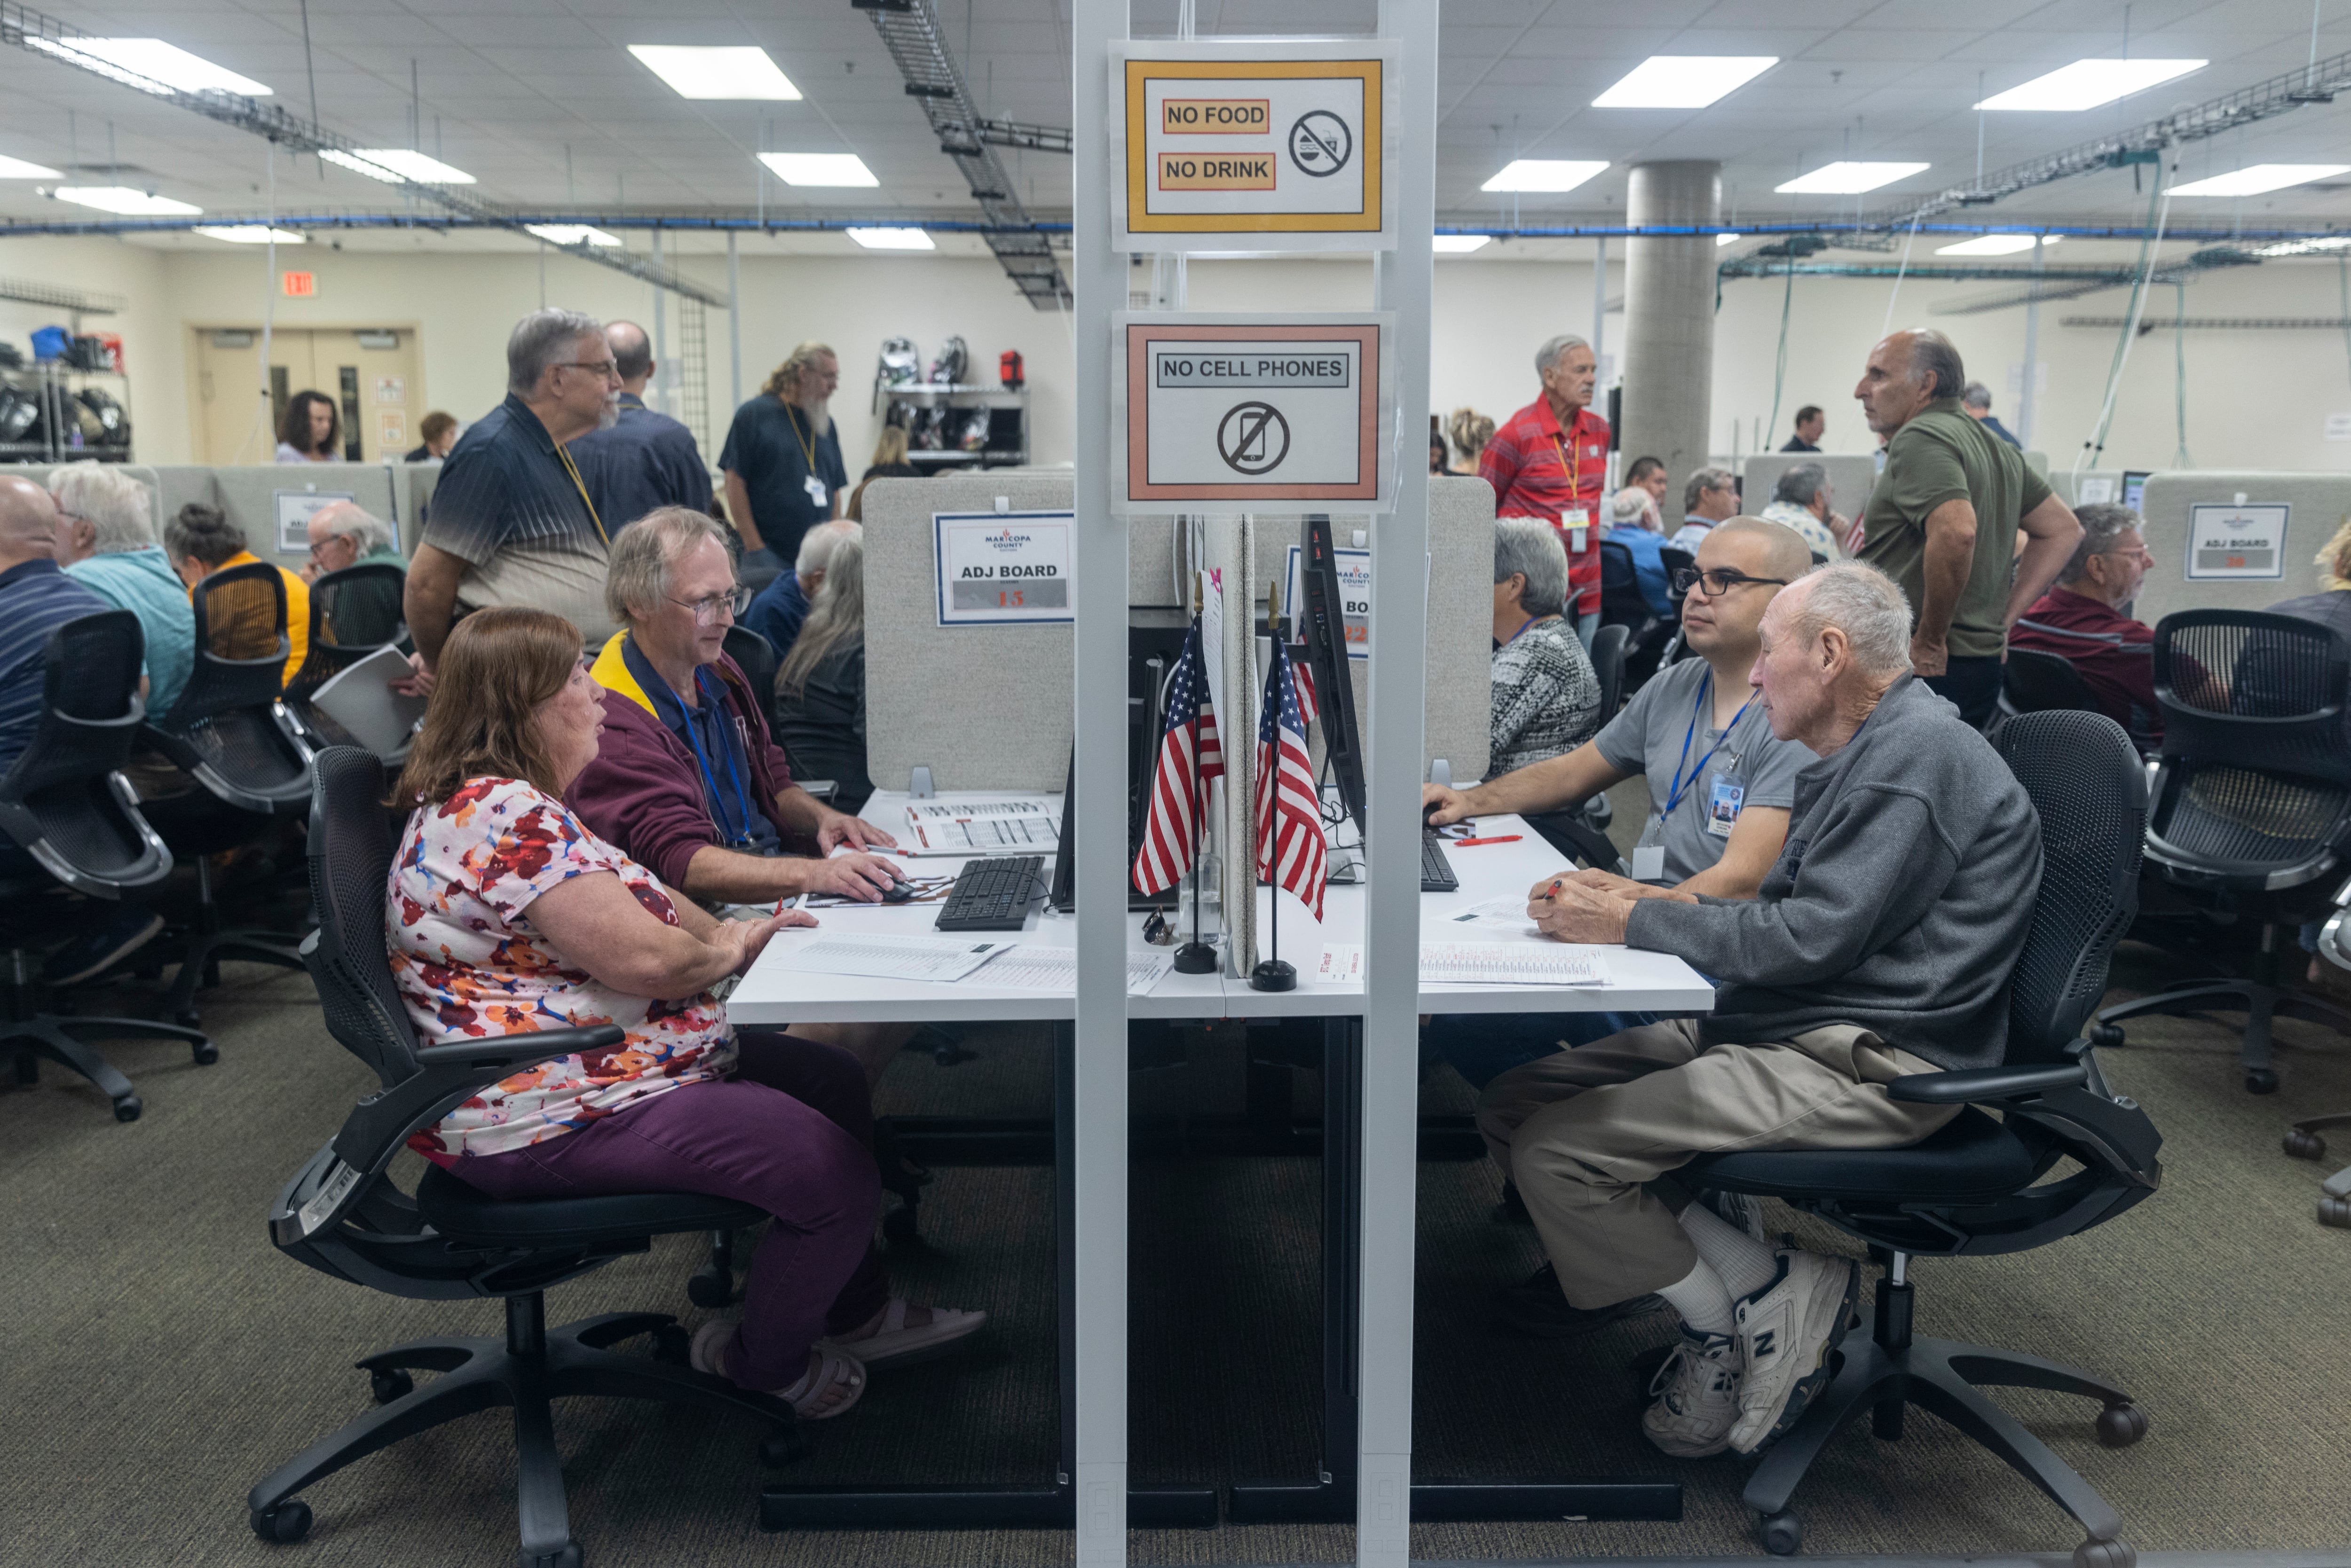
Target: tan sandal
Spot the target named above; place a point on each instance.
(830, 1368)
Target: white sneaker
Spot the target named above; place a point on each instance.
(1695, 1399)
(1785, 1334)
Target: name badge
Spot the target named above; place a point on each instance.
(1576, 521)
(1722, 806)
(1648, 862)
(815, 490)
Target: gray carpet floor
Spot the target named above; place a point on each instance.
(161, 1356)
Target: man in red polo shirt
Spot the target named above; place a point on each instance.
(2079, 620)
(1550, 461)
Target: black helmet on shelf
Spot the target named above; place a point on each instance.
(20, 411)
(113, 421)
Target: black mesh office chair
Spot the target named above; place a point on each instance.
(233, 734)
(2302, 1139)
(1621, 603)
(2034, 682)
(756, 657)
(1970, 1190)
(354, 613)
(65, 803)
(1581, 832)
(2252, 801)
(343, 1215)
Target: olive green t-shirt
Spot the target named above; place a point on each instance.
(1943, 455)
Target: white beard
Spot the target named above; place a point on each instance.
(609, 414)
(820, 415)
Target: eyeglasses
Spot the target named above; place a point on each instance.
(707, 609)
(606, 369)
(1716, 583)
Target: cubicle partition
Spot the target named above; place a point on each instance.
(1851, 476)
(2236, 539)
(248, 497)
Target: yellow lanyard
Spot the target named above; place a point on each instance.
(580, 484)
(808, 448)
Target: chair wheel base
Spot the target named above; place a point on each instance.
(1782, 1533)
(2260, 1081)
(2106, 1554)
(710, 1288)
(786, 1446)
(127, 1109)
(2334, 1211)
(2302, 1146)
(387, 1386)
(283, 1525)
(205, 1053)
(673, 1346)
(2120, 1425)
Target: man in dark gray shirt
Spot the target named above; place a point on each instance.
(1878, 946)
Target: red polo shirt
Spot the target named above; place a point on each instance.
(1539, 470)
(2113, 654)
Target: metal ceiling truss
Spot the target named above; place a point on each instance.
(910, 30)
(45, 35)
(2220, 323)
(2063, 282)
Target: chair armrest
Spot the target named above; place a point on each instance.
(1978, 1085)
(451, 1074)
(521, 1050)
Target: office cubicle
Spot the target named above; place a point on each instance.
(2256, 537)
(249, 496)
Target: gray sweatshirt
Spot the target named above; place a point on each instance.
(1899, 902)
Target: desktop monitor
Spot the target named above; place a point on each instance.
(1324, 623)
(2134, 491)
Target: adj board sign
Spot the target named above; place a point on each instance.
(2235, 541)
(1263, 145)
(1000, 568)
(1214, 413)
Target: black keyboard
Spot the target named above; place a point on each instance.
(992, 894)
(1435, 870)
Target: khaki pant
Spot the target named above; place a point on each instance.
(1584, 1131)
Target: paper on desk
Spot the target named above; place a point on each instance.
(1056, 968)
(985, 835)
(949, 810)
(1494, 915)
(1341, 963)
(892, 957)
(1509, 964)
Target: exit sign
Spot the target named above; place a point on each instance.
(301, 285)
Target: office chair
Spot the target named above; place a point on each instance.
(2302, 1139)
(353, 613)
(1969, 1190)
(65, 805)
(2252, 801)
(2034, 682)
(342, 1216)
(1581, 832)
(756, 657)
(1621, 603)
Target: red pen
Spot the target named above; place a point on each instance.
(1504, 838)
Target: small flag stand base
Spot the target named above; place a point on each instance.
(1196, 958)
(1273, 975)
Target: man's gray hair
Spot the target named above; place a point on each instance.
(637, 579)
(367, 532)
(543, 338)
(121, 509)
(1547, 355)
(1799, 483)
(1531, 546)
(1933, 355)
(1703, 480)
(1977, 395)
(2102, 524)
(1864, 604)
(817, 544)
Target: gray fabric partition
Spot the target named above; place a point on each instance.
(2320, 502)
(249, 497)
(2038, 462)
(1851, 476)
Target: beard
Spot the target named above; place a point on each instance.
(608, 413)
(819, 411)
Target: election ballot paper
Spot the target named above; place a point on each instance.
(1476, 964)
(980, 828)
(893, 958)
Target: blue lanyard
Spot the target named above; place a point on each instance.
(733, 773)
(1705, 687)
(1521, 630)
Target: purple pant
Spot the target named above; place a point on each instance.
(791, 1132)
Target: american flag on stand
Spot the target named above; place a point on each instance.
(1189, 756)
(1290, 848)
(1304, 671)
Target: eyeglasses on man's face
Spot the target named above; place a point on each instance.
(1717, 581)
(711, 606)
(603, 370)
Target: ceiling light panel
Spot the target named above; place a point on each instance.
(1994, 244)
(1546, 174)
(573, 234)
(892, 239)
(124, 200)
(250, 233)
(1684, 81)
(2261, 178)
(1849, 179)
(1458, 245)
(1722, 240)
(2086, 84)
(17, 169)
(726, 72)
(2306, 246)
(819, 168)
(148, 63)
(393, 164)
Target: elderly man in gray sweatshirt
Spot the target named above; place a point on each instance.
(1879, 944)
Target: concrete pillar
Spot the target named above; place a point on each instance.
(1669, 314)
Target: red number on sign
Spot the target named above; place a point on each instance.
(1011, 600)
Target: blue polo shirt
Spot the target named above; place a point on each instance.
(143, 581)
(717, 737)
(777, 612)
(36, 599)
(646, 460)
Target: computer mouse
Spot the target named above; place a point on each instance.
(898, 892)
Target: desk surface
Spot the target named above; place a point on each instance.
(772, 994)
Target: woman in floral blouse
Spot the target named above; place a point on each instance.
(505, 915)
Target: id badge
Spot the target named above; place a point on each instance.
(1650, 854)
(1722, 806)
(815, 490)
(1577, 521)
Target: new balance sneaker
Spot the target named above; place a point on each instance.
(1786, 1331)
(1694, 1400)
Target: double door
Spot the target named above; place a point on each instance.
(369, 371)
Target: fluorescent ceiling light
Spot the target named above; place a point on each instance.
(1542, 174)
(892, 239)
(1683, 81)
(1994, 244)
(393, 164)
(2306, 246)
(148, 64)
(725, 71)
(572, 233)
(1458, 245)
(250, 233)
(1722, 240)
(123, 199)
(1845, 178)
(17, 169)
(2261, 178)
(2085, 84)
(819, 168)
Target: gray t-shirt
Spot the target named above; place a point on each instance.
(1744, 765)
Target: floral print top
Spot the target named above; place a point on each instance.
(469, 965)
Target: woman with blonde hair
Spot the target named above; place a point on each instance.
(888, 463)
(1470, 431)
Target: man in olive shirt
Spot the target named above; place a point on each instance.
(1942, 520)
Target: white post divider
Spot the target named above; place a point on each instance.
(1392, 837)
(1098, 823)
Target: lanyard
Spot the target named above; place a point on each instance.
(1572, 465)
(1521, 630)
(712, 704)
(808, 448)
(1705, 688)
(580, 484)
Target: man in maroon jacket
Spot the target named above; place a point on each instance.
(2079, 620)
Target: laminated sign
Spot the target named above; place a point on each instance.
(1261, 145)
(1215, 414)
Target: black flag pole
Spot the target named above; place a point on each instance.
(1272, 974)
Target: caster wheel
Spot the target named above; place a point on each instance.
(673, 1346)
(205, 1053)
(2120, 1425)
(127, 1109)
(2260, 1081)
(566, 1556)
(286, 1523)
(898, 1225)
(2334, 1211)
(389, 1385)
(2106, 1554)
(2107, 1036)
(710, 1288)
(786, 1446)
(1782, 1533)
(2302, 1146)
(186, 1017)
